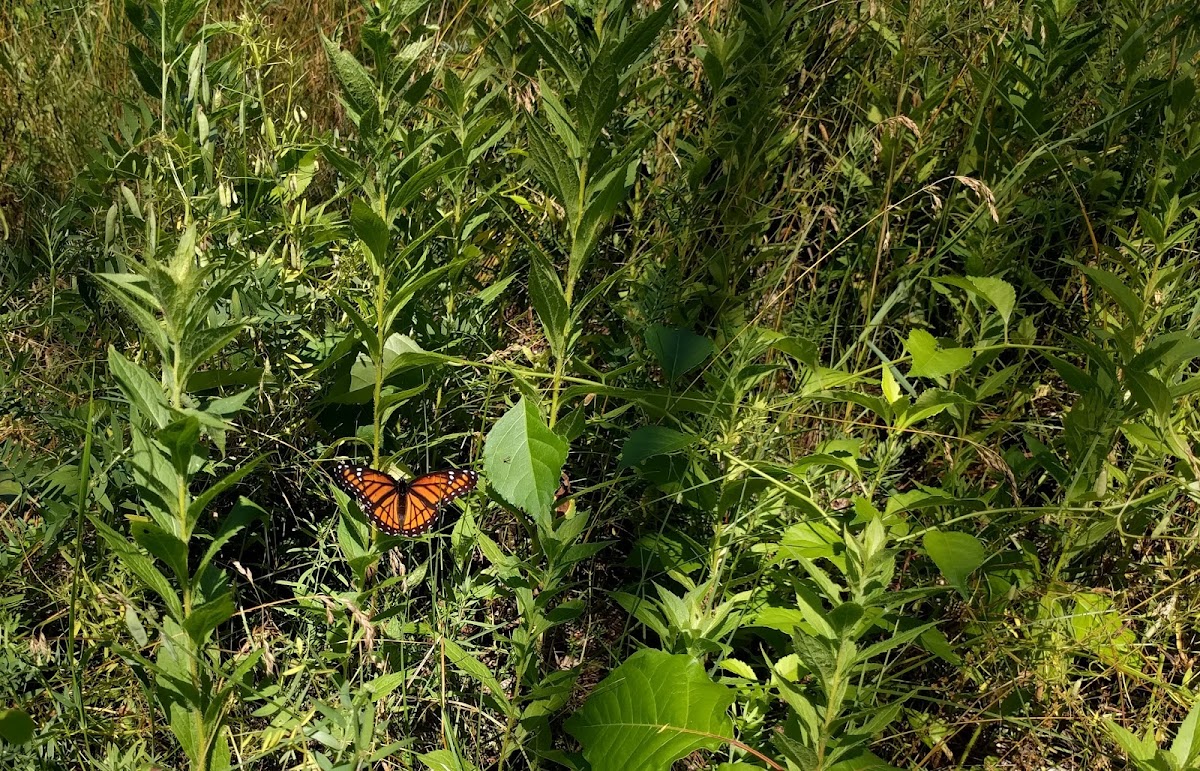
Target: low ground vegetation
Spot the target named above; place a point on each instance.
(828, 369)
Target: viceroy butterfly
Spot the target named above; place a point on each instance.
(398, 507)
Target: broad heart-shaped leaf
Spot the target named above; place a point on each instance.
(652, 710)
(400, 353)
(928, 360)
(998, 292)
(523, 460)
(678, 351)
(957, 555)
(15, 726)
(648, 441)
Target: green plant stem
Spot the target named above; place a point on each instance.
(556, 390)
(85, 466)
(380, 332)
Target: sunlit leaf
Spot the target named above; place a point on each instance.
(651, 711)
(357, 87)
(523, 459)
(931, 360)
(371, 230)
(956, 555)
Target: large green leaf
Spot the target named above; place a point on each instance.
(552, 163)
(597, 98)
(139, 388)
(371, 230)
(204, 618)
(546, 294)
(132, 294)
(998, 292)
(604, 195)
(1112, 284)
(141, 566)
(357, 87)
(15, 726)
(445, 760)
(649, 441)
(163, 544)
(181, 438)
(957, 555)
(633, 46)
(930, 360)
(651, 711)
(177, 695)
(523, 460)
(1186, 747)
(553, 52)
(678, 351)
(400, 353)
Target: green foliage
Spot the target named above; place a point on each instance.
(15, 726)
(1146, 755)
(524, 459)
(626, 723)
(829, 372)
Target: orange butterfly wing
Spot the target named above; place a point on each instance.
(398, 508)
(377, 493)
(426, 495)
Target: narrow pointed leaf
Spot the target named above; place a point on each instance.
(371, 230)
(141, 566)
(546, 294)
(357, 87)
(552, 51)
(139, 388)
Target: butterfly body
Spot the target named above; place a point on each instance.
(403, 508)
